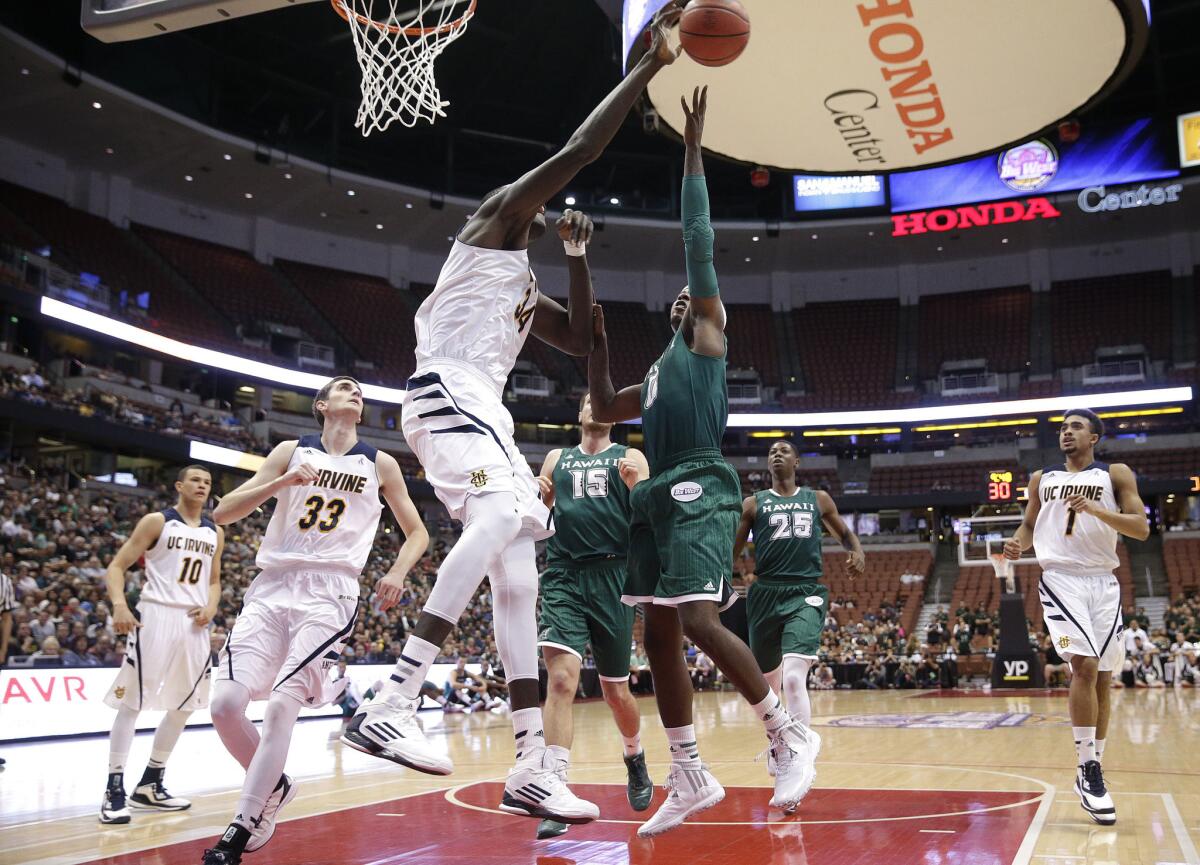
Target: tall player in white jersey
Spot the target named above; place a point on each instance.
(1076, 510)
(469, 332)
(167, 657)
(303, 604)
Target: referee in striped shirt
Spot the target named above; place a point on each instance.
(8, 603)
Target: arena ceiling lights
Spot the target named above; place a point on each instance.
(874, 86)
(308, 381)
(934, 413)
(293, 378)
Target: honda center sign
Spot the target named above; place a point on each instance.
(873, 86)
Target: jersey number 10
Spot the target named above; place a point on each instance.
(190, 572)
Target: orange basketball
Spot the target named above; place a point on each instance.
(714, 32)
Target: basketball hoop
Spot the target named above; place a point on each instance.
(396, 58)
(1004, 571)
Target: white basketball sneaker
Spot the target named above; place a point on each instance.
(795, 749)
(689, 791)
(1093, 795)
(387, 727)
(261, 832)
(535, 788)
(154, 797)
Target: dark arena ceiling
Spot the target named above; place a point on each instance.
(518, 83)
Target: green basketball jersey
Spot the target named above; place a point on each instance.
(591, 507)
(787, 536)
(685, 403)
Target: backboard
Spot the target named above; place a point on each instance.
(980, 537)
(124, 20)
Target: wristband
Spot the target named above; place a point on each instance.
(575, 250)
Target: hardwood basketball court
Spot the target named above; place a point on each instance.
(903, 777)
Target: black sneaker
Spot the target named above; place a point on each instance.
(1093, 795)
(639, 788)
(550, 829)
(113, 809)
(154, 797)
(218, 856)
(229, 849)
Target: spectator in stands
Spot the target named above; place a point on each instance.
(876, 675)
(1148, 672)
(703, 672)
(928, 674)
(1055, 665)
(1180, 669)
(906, 677)
(962, 635)
(1135, 632)
(49, 654)
(822, 678)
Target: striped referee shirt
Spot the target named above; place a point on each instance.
(8, 595)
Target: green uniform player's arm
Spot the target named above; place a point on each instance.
(698, 238)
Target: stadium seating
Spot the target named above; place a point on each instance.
(848, 354)
(374, 317)
(1182, 559)
(97, 246)
(1108, 311)
(235, 283)
(880, 584)
(915, 479)
(752, 343)
(991, 324)
(1178, 464)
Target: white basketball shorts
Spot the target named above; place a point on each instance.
(290, 633)
(1083, 616)
(167, 662)
(463, 436)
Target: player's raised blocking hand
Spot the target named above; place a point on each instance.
(660, 33)
(300, 476)
(574, 227)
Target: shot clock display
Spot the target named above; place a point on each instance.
(1000, 486)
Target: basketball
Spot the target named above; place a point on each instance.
(714, 32)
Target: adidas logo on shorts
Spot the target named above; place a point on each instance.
(709, 587)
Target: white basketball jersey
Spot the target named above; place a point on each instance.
(480, 311)
(329, 525)
(1072, 543)
(179, 565)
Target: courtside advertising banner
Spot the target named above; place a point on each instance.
(48, 702)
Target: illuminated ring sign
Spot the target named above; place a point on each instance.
(872, 86)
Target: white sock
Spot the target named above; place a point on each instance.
(561, 754)
(527, 730)
(795, 686)
(684, 750)
(121, 738)
(269, 759)
(771, 712)
(1100, 749)
(1085, 743)
(632, 744)
(165, 737)
(409, 673)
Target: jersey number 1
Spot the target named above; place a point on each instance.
(190, 572)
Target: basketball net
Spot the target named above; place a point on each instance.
(397, 56)
(1004, 571)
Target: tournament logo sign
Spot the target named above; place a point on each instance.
(1028, 166)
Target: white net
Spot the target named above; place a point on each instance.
(396, 53)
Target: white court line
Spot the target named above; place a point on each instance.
(1185, 840)
(938, 831)
(388, 814)
(1034, 832)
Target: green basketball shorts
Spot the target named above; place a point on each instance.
(581, 607)
(785, 620)
(682, 532)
